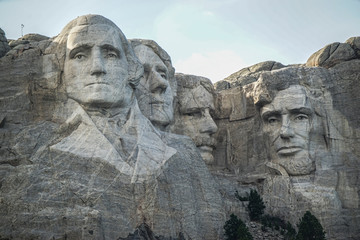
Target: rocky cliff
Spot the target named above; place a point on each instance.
(74, 168)
(330, 188)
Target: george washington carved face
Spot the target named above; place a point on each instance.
(96, 68)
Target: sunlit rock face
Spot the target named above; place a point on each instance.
(78, 158)
(87, 154)
(293, 133)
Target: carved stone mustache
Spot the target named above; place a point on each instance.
(204, 141)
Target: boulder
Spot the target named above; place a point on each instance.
(4, 47)
(331, 55)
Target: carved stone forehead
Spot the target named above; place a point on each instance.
(147, 55)
(198, 98)
(94, 33)
(294, 97)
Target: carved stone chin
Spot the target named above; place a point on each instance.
(297, 166)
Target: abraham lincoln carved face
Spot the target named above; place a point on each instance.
(287, 123)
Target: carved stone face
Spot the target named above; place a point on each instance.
(96, 68)
(286, 124)
(154, 93)
(195, 120)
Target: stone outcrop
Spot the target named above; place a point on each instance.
(247, 75)
(79, 160)
(243, 150)
(69, 173)
(4, 46)
(355, 44)
(334, 53)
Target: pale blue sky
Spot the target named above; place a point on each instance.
(211, 38)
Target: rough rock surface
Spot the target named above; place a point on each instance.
(4, 46)
(63, 170)
(247, 75)
(333, 54)
(31, 37)
(68, 171)
(355, 44)
(144, 232)
(244, 154)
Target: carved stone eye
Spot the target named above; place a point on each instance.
(194, 114)
(301, 117)
(272, 120)
(111, 55)
(79, 56)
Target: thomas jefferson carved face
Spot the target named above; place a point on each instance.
(154, 93)
(96, 68)
(286, 123)
(195, 120)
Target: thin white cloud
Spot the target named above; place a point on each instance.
(213, 65)
(208, 13)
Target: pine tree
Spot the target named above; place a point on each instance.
(235, 229)
(256, 205)
(310, 228)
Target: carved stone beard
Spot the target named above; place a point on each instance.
(300, 164)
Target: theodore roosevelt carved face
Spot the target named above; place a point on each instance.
(287, 123)
(195, 109)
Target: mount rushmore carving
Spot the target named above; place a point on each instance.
(99, 135)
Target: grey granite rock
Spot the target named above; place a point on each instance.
(324, 184)
(355, 44)
(73, 166)
(247, 75)
(4, 47)
(80, 160)
(331, 55)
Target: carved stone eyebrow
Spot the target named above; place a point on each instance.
(79, 48)
(109, 47)
(269, 113)
(162, 69)
(304, 110)
(191, 110)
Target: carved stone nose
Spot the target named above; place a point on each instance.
(208, 125)
(97, 66)
(158, 84)
(286, 131)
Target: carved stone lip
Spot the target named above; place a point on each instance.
(205, 148)
(157, 102)
(289, 150)
(94, 83)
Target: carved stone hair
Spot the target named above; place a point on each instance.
(191, 81)
(58, 45)
(270, 83)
